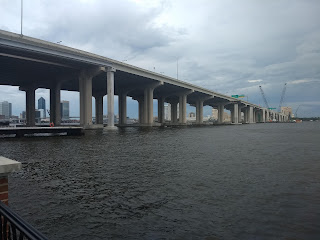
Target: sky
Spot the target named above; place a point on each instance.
(231, 47)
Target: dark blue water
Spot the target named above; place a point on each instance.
(258, 181)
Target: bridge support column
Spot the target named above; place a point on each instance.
(161, 109)
(239, 114)
(55, 107)
(220, 113)
(231, 115)
(174, 112)
(183, 109)
(246, 115)
(250, 115)
(85, 87)
(30, 105)
(199, 112)
(122, 108)
(141, 109)
(235, 113)
(110, 93)
(255, 115)
(148, 105)
(99, 108)
(263, 115)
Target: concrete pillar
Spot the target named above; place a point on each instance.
(161, 109)
(85, 87)
(141, 109)
(148, 105)
(255, 115)
(122, 108)
(250, 114)
(30, 106)
(239, 114)
(231, 115)
(199, 112)
(99, 108)
(174, 112)
(245, 115)
(220, 113)
(263, 116)
(235, 115)
(55, 107)
(7, 166)
(110, 93)
(183, 109)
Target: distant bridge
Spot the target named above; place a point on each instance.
(32, 63)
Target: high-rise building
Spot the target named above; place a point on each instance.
(64, 110)
(42, 105)
(6, 109)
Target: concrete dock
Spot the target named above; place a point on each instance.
(36, 131)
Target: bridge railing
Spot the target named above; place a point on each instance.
(13, 227)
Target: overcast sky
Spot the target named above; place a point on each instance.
(227, 46)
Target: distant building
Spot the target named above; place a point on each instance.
(37, 116)
(23, 115)
(192, 115)
(287, 111)
(226, 117)
(42, 105)
(40, 114)
(64, 110)
(6, 109)
(167, 112)
(214, 114)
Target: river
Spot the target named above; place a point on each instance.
(253, 181)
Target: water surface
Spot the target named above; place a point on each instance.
(257, 181)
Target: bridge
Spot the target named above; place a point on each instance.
(31, 63)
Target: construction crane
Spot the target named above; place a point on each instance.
(264, 97)
(295, 114)
(282, 96)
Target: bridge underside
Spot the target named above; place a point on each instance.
(61, 68)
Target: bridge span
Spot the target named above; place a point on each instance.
(31, 63)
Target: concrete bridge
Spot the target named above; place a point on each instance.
(32, 63)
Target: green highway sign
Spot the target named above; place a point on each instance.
(238, 96)
(272, 108)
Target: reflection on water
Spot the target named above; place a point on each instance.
(258, 181)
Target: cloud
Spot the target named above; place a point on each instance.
(255, 81)
(304, 81)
